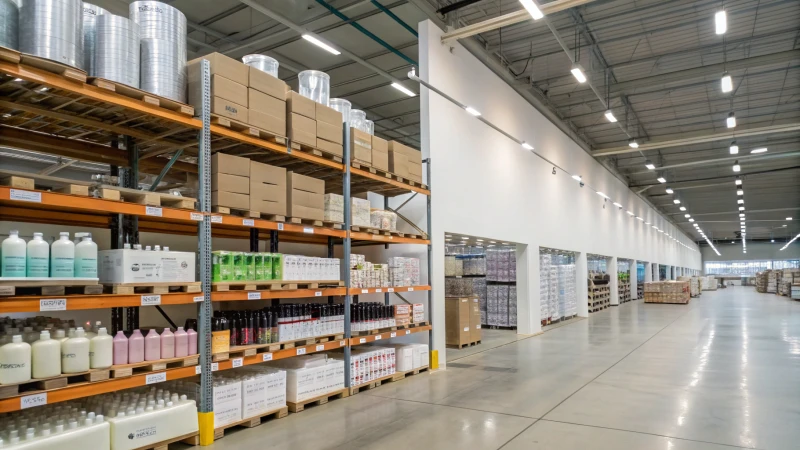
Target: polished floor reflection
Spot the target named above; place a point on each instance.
(722, 372)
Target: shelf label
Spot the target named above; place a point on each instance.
(30, 401)
(216, 219)
(280, 227)
(458, 276)
(198, 299)
(411, 289)
(25, 196)
(196, 216)
(238, 362)
(362, 341)
(214, 367)
(390, 290)
(156, 378)
(308, 230)
(365, 291)
(378, 337)
(320, 347)
(152, 211)
(342, 343)
(254, 295)
(198, 370)
(408, 331)
(318, 294)
(478, 327)
(267, 357)
(53, 304)
(248, 222)
(301, 351)
(151, 300)
(394, 334)
(378, 290)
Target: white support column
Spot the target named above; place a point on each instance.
(648, 272)
(528, 301)
(582, 284)
(634, 279)
(614, 279)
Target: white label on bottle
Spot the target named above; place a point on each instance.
(31, 401)
(280, 227)
(362, 341)
(152, 211)
(216, 219)
(308, 230)
(53, 304)
(342, 343)
(318, 294)
(26, 196)
(365, 291)
(196, 216)
(267, 357)
(237, 362)
(254, 295)
(411, 289)
(151, 300)
(390, 290)
(156, 378)
(408, 331)
(214, 367)
(378, 337)
(198, 370)
(248, 222)
(198, 299)
(394, 334)
(301, 351)
(320, 347)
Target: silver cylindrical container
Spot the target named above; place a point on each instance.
(358, 119)
(343, 106)
(9, 22)
(315, 85)
(263, 63)
(52, 29)
(162, 29)
(370, 127)
(117, 51)
(90, 14)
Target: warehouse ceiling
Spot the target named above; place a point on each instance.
(662, 59)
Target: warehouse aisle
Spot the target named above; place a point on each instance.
(719, 373)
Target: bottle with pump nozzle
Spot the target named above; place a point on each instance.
(62, 257)
(86, 258)
(38, 257)
(16, 361)
(46, 356)
(14, 260)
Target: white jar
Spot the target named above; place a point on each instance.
(75, 353)
(46, 356)
(62, 257)
(86, 258)
(15, 361)
(38, 263)
(13, 259)
(101, 350)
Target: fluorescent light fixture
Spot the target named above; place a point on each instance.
(576, 177)
(403, 89)
(18, 79)
(527, 146)
(479, 240)
(661, 179)
(736, 166)
(448, 235)
(640, 218)
(633, 144)
(655, 227)
(790, 242)
(721, 22)
(759, 150)
(472, 111)
(687, 215)
(731, 120)
(577, 72)
(740, 201)
(744, 251)
(740, 192)
(741, 208)
(676, 201)
(734, 148)
(733, 242)
(649, 164)
(783, 226)
(493, 242)
(727, 83)
(669, 190)
(629, 213)
(602, 194)
(647, 223)
(321, 44)
(738, 181)
(788, 218)
(683, 208)
(42, 89)
(610, 116)
(533, 10)
(505, 243)
(691, 220)
(617, 205)
(772, 240)
(741, 215)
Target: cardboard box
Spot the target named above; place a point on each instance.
(136, 266)
(220, 65)
(266, 122)
(398, 164)
(410, 166)
(415, 172)
(259, 101)
(227, 108)
(220, 87)
(305, 197)
(475, 319)
(457, 317)
(380, 153)
(267, 189)
(230, 183)
(329, 115)
(18, 182)
(304, 183)
(296, 103)
(230, 200)
(230, 164)
(301, 129)
(330, 147)
(360, 146)
(330, 132)
(266, 83)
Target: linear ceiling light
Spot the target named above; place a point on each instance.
(403, 89)
(788, 218)
(738, 181)
(736, 166)
(721, 22)
(640, 218)
(321, 44)
(727, 83)
(676, 201)
(633, 144)
(577, 72)
(532, 9)
(731, 120)
(617, 205)
(759, 150)
(576, 177)
(610, 116)
(683, 208)
(649, 164)
(661, 179)
(740, 201)
(741, 208)
(472, 111)
(790, 242)
(734, 148)
(602, 194)
(669, 190)
(740, 192)
(629, 213)
(527, 146)
(691, 220)
(687, 215)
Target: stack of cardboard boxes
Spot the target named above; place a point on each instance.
(313, 124)
(405, 162)
(267, 101)
(329, 130)
(306, 197)
(241, 184)
(360, 147)
(462, 320)
(402, 315)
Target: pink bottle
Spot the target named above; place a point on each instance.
(152, 346)
(167, 344)
(181, 343)
(120, 348)
(192, 335)
(136, 347)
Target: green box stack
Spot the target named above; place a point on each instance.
(277, 266)
(239, 266)
(221, 266)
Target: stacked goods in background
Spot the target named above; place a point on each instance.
(462, 320)
(371, 362)
(229, 266)
(501, 276)
(305, 197)
(677, 292)
(695, 286)
(162, 29)
(405, 162)
(397, 272)
(360, 212)
(567, 297)
(761, 282)
(708, 283)
(410, 356)
(266, 94)
(310, 376)
(329, 130)
(244, 185)
(772, 281)
(545, 260)
(301, 119)
(465, 275)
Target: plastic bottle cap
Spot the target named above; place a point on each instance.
(64, 233)
(37, 235)
(16, 339)
(13, 232)
(102, 332)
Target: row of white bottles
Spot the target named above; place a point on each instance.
(66, 426)
(62, 259)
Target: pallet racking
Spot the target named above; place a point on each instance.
(49, 112)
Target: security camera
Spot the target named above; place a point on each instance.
(581, 184)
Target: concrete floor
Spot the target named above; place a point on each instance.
(722, 372)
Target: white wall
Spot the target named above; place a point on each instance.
(484, 184)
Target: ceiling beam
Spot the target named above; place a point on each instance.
(715, 161)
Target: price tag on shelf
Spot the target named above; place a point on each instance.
(280, 227)
(198, 370)
(155, 378)
(198, 299)
(320, 347)
(478, 326)
(308, 230)
(394, 334)
(411, 289)
(254, 295)
(30, 401)
(25, 196)
(408, 331)
(365, 291)
(362, 341)
(318, 294)
(53, 304)
(267, 357)
(378, 290)
(390, 290)
(248, 222)
(378, 337)
(216, 219)
(151, 300)
(152, 211)
(237, 362)
(214, 367)
(342, 343)
(196, 216)
(301, 351)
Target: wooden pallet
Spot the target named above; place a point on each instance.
(61, 381)
(68, 72)
(17, 286)
(241, 351)
(249, 130)
(247, 213)
(274, 285)
(373, 170)
(190, 439)
(25, 180)
(402, 375)
(370, 384)
(146, 198)
(127, 370)
(462, 346)
(302, 221)
(252, 422)
(138, 94)
(372, 230)
(152, 288)
(316, 152)
(320, 400)
(332, 224)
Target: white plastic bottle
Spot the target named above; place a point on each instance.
(15, 361)
(13, 260)
(62, 257)
(46, 356)
(86, 258)
(101, 350)
(29, 336)
(75, 353)
(38, 263)
(60, 336)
